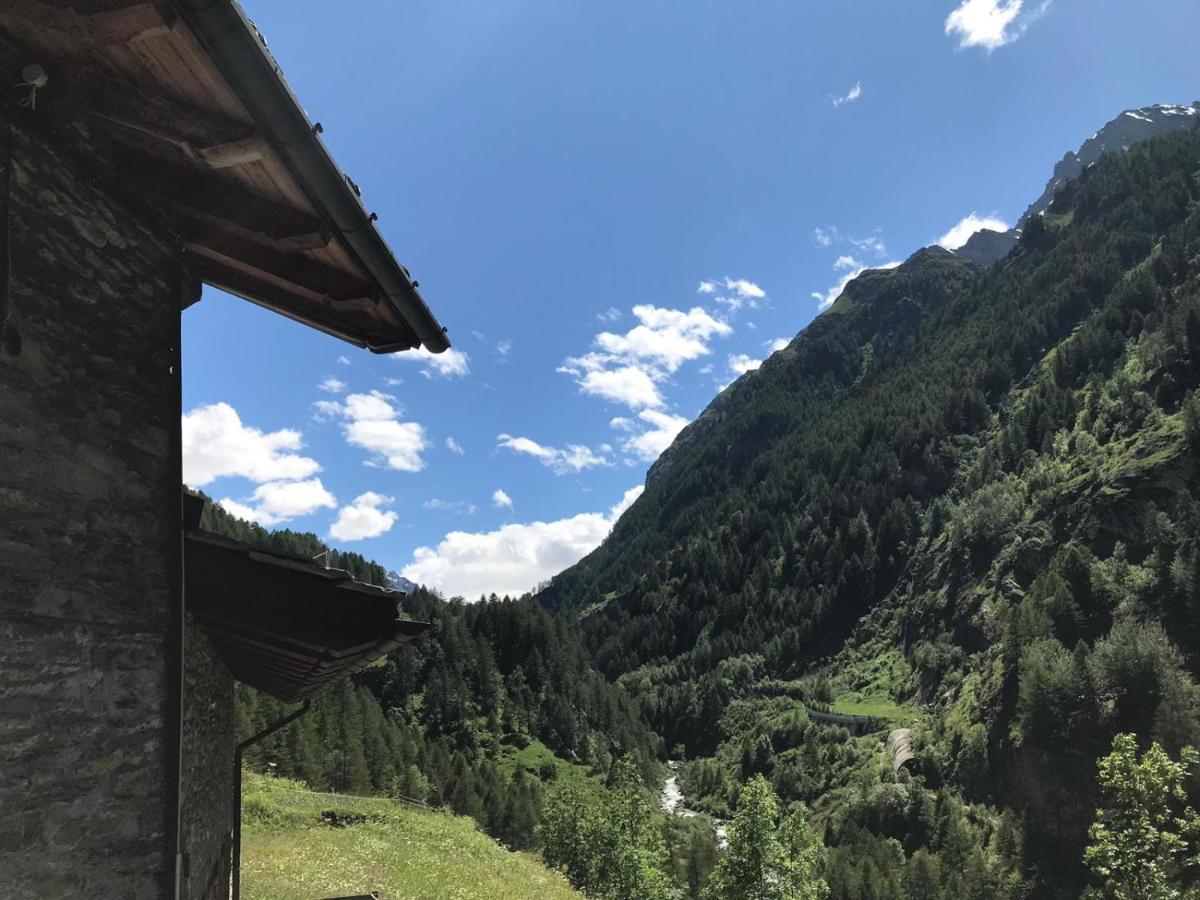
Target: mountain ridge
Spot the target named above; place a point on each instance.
(988, 246)
(965, 498)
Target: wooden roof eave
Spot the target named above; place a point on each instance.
(216, 139)
(287, 626)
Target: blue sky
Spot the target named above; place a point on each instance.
(615, 208)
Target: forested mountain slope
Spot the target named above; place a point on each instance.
(475, 715)
(966, 495)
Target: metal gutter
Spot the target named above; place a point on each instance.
(238, 50)
(237, 788)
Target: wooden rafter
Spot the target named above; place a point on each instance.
(199, 134)
(306, 278)
(214, 201)
(286, 302)
(163, 115)
(127, 24)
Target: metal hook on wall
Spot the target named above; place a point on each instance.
(33, 77)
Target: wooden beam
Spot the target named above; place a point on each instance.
(91, 94)
(234, 153)
(357, 330)
(300, 242)
(305, 278)
(207, 198)
(121, 27)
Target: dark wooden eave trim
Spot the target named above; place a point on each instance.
(333, 317)
(212, 200)
(253, 120)
(306, 278)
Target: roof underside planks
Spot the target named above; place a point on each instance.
(287, 626)
(210, 134)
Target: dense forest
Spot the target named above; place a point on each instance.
(444, 720)
(964, 500)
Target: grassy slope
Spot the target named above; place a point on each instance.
(400, 851)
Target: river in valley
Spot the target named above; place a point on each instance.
(674, 803)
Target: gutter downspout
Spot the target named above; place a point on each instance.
(237, 788)
(239, 51)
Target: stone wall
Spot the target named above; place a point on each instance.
(208, 747)
(88, 475)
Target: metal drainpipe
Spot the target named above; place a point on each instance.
(237, 789)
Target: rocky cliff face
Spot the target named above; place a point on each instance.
(1127, 129)
(1130, 127)
(986, 246)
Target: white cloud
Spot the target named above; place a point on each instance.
(627, 368)
(279, 501)
(666, 338)
(324, 410)
(501, 499)
(398, 443)
(846, 262)
(363, 518)
(967, 226)
(621, 423)
(454, 446)
(609, 315)
(343, 360)
(632, 385)
(741, 363)
(572, 458)
(332, 385)
(991, 23)
(372, 423)
(458, 507)
(707, 287)
(503, 347)
(512, 559)
(825, 299)
(850, 96)
(649, 444)
(829, 235)
(872, 243)
(450, 363)
(777, 344)
(374, 405)
(745, 289)
(217, 444)
(741, 292)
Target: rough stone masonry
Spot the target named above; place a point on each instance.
(88, 414)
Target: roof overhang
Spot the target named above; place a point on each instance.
(207, 130)
(287, 626)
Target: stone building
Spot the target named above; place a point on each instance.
(147, 148)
